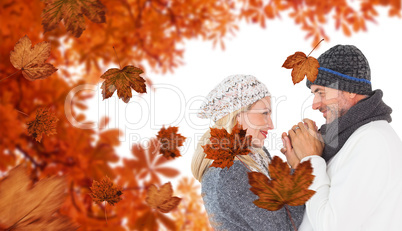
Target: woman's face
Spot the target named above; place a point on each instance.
(257, 121)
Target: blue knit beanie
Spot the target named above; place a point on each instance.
(345, 68)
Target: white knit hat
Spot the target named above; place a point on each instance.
(233, 93)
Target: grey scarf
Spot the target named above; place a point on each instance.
(336, 133)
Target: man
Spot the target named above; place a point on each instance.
(358, 167)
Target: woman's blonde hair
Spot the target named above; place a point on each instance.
(199, 163)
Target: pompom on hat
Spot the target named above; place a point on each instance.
(233, 93)
(344, 67)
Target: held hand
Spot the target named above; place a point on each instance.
(288, 151)
(306, 140)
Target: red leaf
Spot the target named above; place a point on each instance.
(225, 147)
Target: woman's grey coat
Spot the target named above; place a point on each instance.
(229, 203)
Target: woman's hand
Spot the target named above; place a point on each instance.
(288, 151)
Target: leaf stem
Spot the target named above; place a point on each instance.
(117, 57)
(9, 75)
(315, 47)
(290, 216)
(105, 212)
(244, 164)
(21, 112)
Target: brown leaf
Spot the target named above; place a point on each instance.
(283, 188)
(170, 141)
(72, 12)
(162, 199)
(123, 80)
(32, 207)
(224, 147)
(302, 66)
(31, 60)
(44, 122)
(105, 191)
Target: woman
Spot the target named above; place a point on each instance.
(228, 201)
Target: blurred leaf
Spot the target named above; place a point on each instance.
(72, 12)
(32, 207)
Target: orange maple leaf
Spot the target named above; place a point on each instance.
(25, 206)
(44, 122)
(31, 60)
(302, 66)
(123, 80)
(224, 147)
(170, 140)
(72, 12)
(283, 187)
(105, 190)
(162, 199)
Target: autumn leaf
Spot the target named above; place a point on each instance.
(105, 191)
(72, 12)
(283, 187)
(162, 199)
(32, 207)
(123, 80)
(224, 147)
(31, 60)
(45, 122)
(170, 141)
(302, 66)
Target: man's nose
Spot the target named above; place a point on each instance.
(316, 103)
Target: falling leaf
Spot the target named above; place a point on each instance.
(31, 60)
(283, 187)
(123, 80)
(162, 199)
(170, 140)
(105, 191)
(32, 207)
(302, 66)
(224, 147)
(44, 122)
(72, 12)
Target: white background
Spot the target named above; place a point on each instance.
(259, 52)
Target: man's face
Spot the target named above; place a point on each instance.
(331, 102)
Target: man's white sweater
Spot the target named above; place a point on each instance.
(361, 188)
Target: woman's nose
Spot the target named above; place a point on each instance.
(270, 123)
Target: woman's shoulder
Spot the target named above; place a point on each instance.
(214, 174)
(228, 182)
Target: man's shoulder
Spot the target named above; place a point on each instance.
(373, 136)
(380, 128)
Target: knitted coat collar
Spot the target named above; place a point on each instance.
(336, 133)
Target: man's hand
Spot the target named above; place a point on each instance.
(306, 140)
(288, 151)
